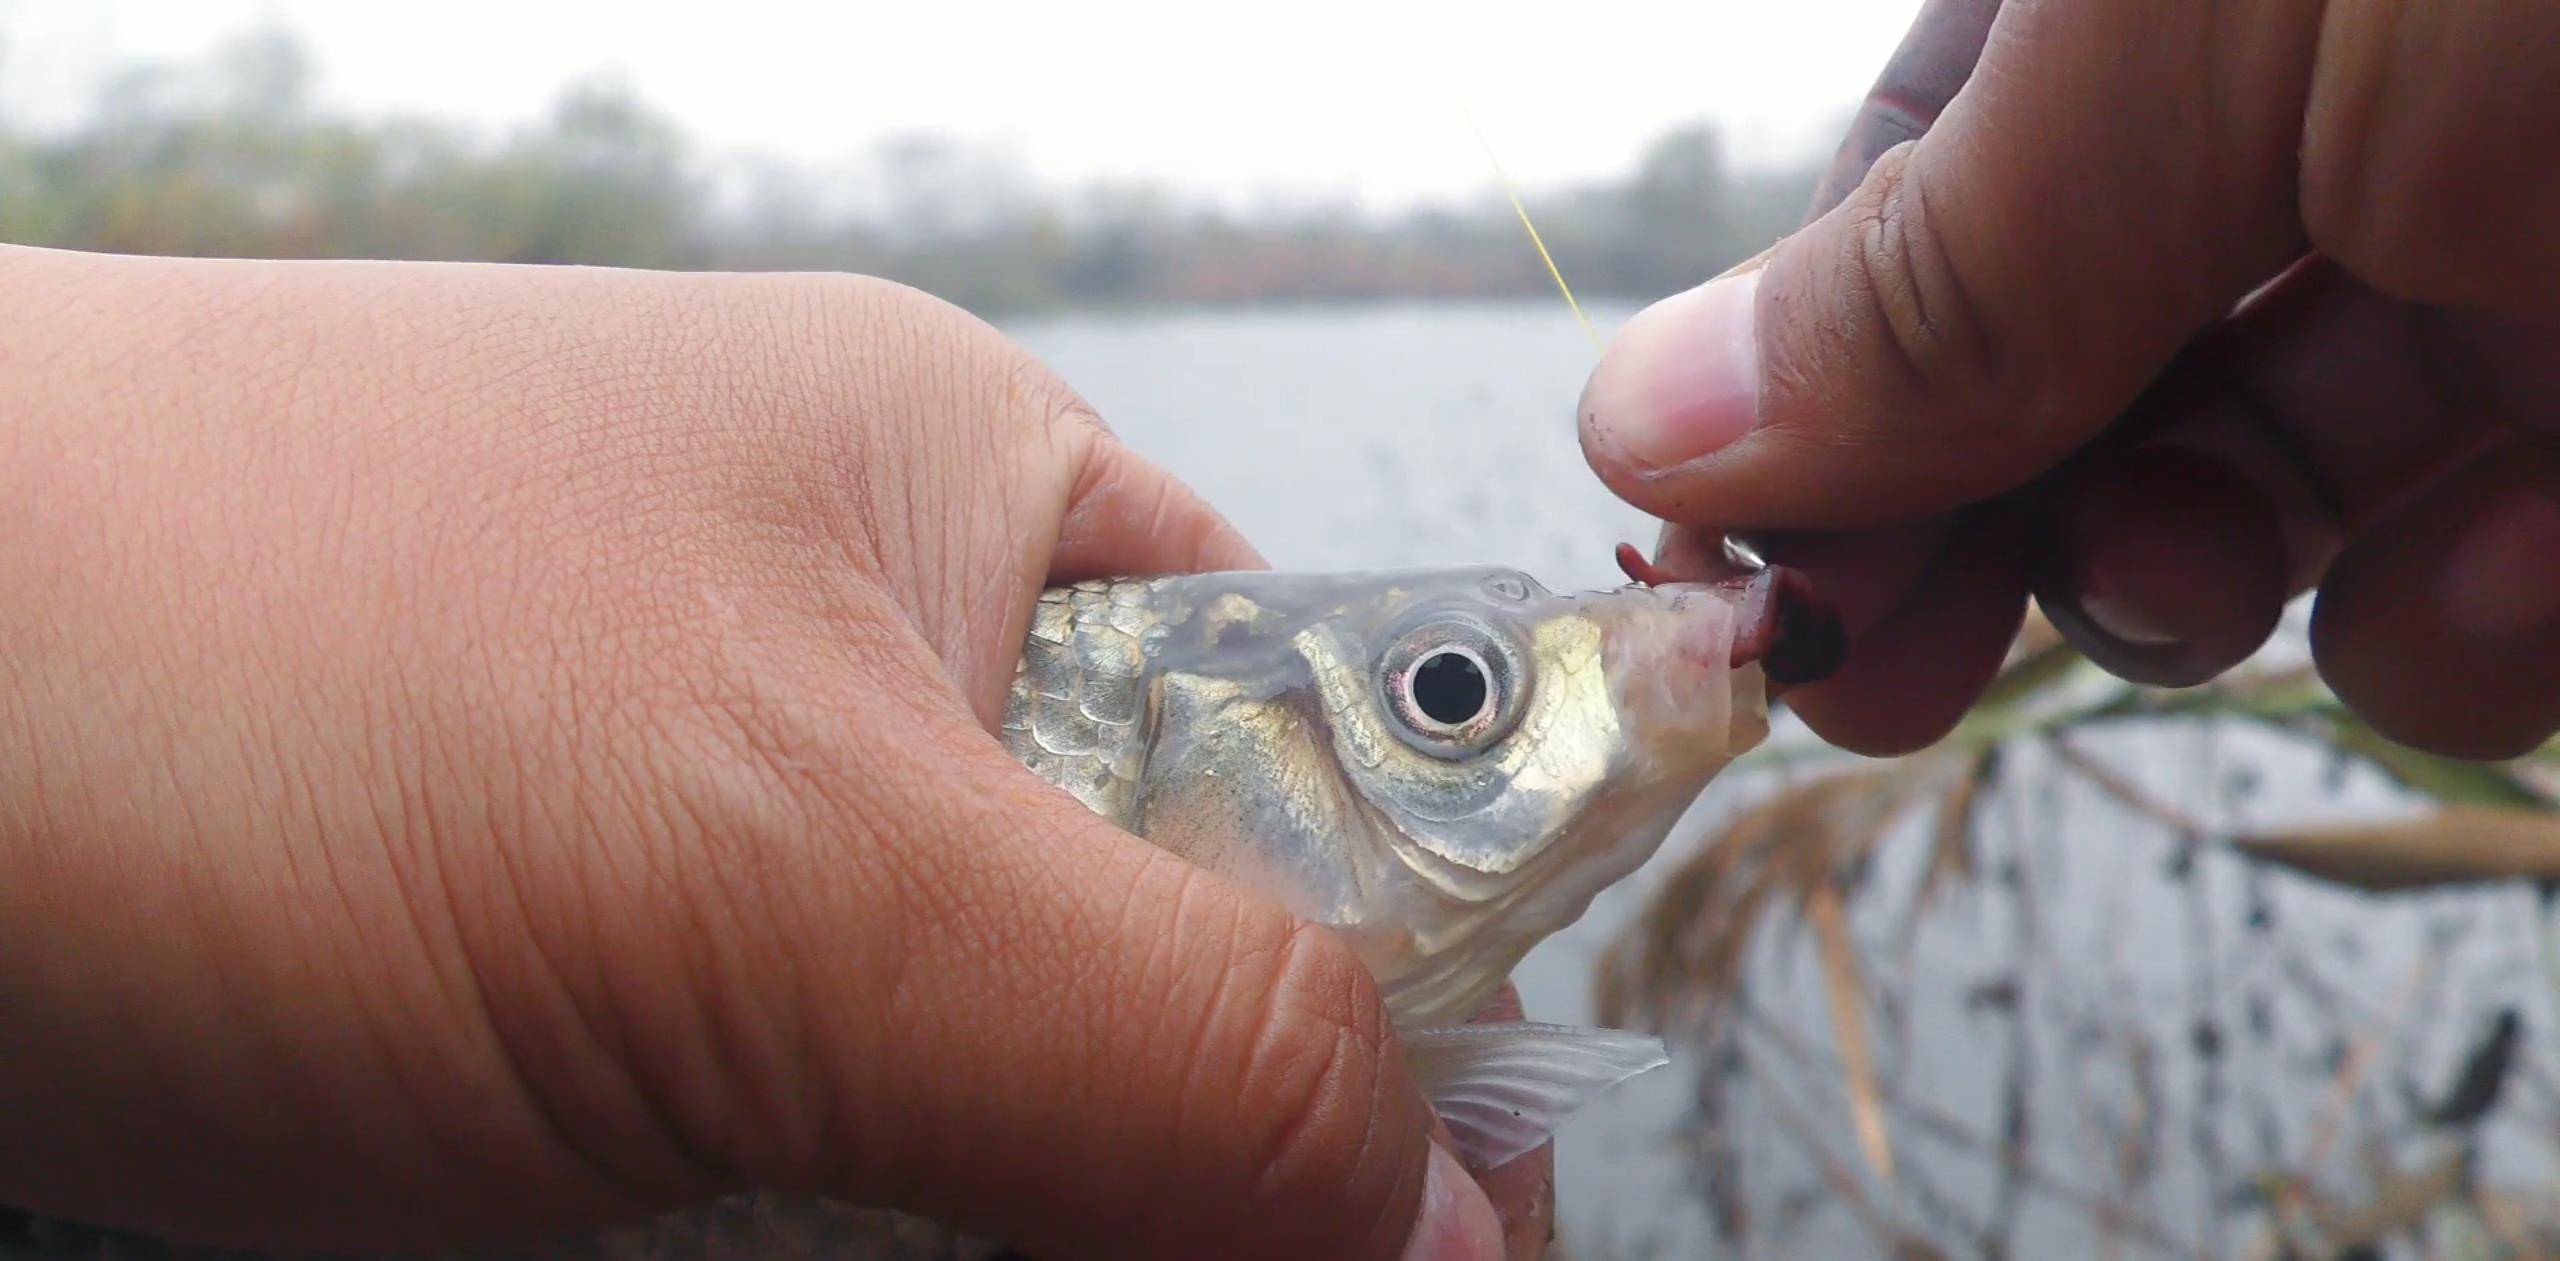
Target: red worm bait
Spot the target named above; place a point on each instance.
(1786, 627)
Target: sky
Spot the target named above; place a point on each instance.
(1354, 101)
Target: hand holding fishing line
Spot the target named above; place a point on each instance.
(2164, 310)
(491, 750)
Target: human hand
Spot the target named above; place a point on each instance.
(489, 750)
(2180, 308)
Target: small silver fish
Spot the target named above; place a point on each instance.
(1444, 767)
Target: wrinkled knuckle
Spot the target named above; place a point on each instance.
(1044, 409)
(1314, 1083)
(967, 370)
(832, 302)
(1017, 388)
(1923, 310)
(890, 391)
(1046, 398)
(860, 343)
(1917, 324)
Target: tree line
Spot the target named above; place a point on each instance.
(232, 157)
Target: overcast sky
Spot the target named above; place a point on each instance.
(1299, 98)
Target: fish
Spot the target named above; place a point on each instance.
(1444, 767)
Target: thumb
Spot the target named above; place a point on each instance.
(1992, 294)
(1092, 1048)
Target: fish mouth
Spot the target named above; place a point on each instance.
(1786, 626)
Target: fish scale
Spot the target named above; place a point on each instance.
(1071, 715)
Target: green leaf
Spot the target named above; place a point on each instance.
(2295, 702)
(2452, 782)
(2034, 675)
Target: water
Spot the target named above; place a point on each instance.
(1416, 435)
(2144, 1025)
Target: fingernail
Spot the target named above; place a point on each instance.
(2123, 620)
(2503, 579)
(1457, 1221)
(1682, 379)
(2091, 516)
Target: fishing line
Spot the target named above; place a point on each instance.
(1739, 553)
(1512, 191)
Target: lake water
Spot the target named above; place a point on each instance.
(2097, 1044)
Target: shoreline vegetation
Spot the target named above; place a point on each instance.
(234, 156)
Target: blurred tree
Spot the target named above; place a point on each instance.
(605, 181)
(1677, 205)
(238, 156)
(264, 78)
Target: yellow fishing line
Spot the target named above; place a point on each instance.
(1511, 191)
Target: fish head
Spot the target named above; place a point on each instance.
(1494, 722)
(1514, 751)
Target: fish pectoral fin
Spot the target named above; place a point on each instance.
(1506, 1087)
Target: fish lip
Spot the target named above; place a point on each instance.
(1795, 635)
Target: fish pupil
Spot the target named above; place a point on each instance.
(1449, 688)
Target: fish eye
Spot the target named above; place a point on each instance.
(1450, 687)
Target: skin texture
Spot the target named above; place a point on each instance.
(485, 751)
(2164, 311)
